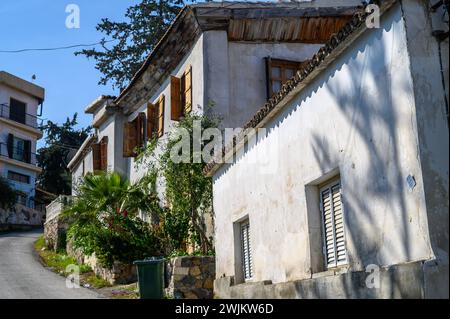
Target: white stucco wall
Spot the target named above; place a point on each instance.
(356, 117)
(77, 172)
(235, 74)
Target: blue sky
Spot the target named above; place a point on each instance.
(70, 81)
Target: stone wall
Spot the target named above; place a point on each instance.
(118, 274)
(55, 233)
(21, 217)
(190, 277)
(55, 227)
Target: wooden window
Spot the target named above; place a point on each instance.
(17, 111)
(155, 118)
(335, 251)
(104, 154)
(279, 72)
(247, 262)
(134, 135)
(186, 91)
(175, 98)
(96, 157)
(181, 94)
(129, 139)
(17, 177)
(159, 117)
(100, 155)
(150, 121)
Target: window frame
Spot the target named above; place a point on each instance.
(12, 173)
(246, 224)
(11, 108)
(283, 65)
(328, 185)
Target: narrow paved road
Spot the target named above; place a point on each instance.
(22, 276)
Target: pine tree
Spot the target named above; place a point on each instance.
(133, 39)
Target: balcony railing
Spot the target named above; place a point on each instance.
(17, 154)
(19, 117)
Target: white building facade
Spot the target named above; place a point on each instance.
(20, 103)
(345, 192)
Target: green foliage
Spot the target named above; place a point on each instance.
(104, 219)
(7, 194)
(188, 193)
(135, 38)
(58, 261)
(60, 142)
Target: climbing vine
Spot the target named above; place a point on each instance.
(187, 191)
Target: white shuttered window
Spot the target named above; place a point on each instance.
(333, 225)
(246, 250)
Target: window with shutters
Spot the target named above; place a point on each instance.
(181, 94)
(247, 266)
(279, 72)
(155, 118)
(134, 135)
(332, 211)
(19, 149)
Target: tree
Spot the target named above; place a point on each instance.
(133, 39)
(61, 141)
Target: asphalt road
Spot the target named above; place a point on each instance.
(23, 277)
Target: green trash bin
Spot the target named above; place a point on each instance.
(150, 277)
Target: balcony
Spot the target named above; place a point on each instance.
(20, 117)
(18, 154)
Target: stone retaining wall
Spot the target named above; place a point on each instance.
(55, 233)
(118, 274)
(190, 277)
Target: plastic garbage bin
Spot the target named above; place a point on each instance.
(150, 277)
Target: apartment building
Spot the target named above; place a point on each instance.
(20, 104)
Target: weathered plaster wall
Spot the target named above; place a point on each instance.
(235, 74)
(77, 173)
(195, 59)
(7, 92)
(433, 137)
(356, 118)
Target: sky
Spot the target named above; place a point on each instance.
(70, 81)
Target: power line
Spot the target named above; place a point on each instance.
(56, 48)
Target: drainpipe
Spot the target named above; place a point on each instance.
(440, 36)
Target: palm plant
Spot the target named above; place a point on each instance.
(103, 218)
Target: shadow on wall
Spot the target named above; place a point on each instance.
(372, 111)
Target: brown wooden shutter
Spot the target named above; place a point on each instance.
(175, 98)
(140, 126)
(129, 139)
(161, 116)
(187, 107)
(150, 120)
(96, 157)
(104, 153)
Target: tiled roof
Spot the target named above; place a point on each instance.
(327, 53)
